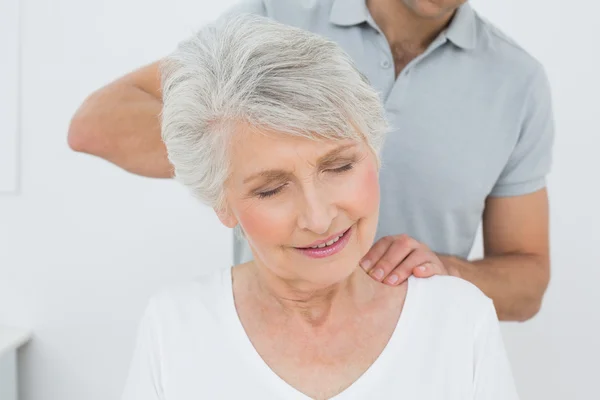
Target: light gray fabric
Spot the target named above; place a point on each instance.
(471, 118)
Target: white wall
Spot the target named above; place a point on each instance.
(9, 89)
(84, 243)
(555, 356)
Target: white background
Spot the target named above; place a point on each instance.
(85, 244)
(9, 89)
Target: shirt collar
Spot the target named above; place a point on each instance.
(461, 31)
(349, 12)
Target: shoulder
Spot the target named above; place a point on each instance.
(188, 302)
(450, 286)
(505, 55)
(297, 5)
(301, 13)
(451, 298)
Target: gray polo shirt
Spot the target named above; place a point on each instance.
(471, 118)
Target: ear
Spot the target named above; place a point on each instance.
(226, 217)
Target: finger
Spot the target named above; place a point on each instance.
(396, 278)
(394, 256)
(426, 270)
(429, 269)
(376, 252)
(417, 258)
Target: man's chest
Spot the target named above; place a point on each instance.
(449, 124)
(441, 149)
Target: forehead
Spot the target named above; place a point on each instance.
(252, 148)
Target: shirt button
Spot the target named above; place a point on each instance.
(385, 64)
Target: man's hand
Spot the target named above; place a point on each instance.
(514, 272)
(394, 258)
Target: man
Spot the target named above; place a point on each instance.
(471, 139)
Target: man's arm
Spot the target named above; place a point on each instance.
(516, 267)
(120, 123)
(515, 270)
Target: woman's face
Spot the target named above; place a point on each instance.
(290, 194)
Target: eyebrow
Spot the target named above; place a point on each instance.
(334, 154)
(277, 174)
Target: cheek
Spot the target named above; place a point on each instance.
(263, 224)
(361, 204)
(362, 195)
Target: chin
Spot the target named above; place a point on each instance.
(337, 273)
(428, 9)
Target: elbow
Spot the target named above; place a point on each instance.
(532, 302)
(529, 310)
(523, 311)
(529, 302)
(84, 135)
(79, 137)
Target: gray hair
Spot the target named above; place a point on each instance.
(271, 76)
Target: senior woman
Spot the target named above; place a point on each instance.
(276, 130)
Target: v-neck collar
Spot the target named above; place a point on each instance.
(370, 379)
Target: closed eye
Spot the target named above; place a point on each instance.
(341, 169)
(270, 193)
(276, 191)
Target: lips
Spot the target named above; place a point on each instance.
(325, 242)
(323, 250)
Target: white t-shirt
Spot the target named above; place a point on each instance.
(447, 345)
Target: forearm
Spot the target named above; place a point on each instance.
(515, 282)
(121, 124)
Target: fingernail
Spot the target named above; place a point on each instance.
(378, 273)
(365, 264)
(422, 268)
(392, 279)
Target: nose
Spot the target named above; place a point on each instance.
(317, 213)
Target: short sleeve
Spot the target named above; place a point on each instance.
(493, 379)
(531, 159)
(144, 380)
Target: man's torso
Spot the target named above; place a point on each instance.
(455, 115)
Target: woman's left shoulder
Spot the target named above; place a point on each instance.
(445, 285)
(451, 295)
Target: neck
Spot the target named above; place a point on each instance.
(314, 304)
(400, 24)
